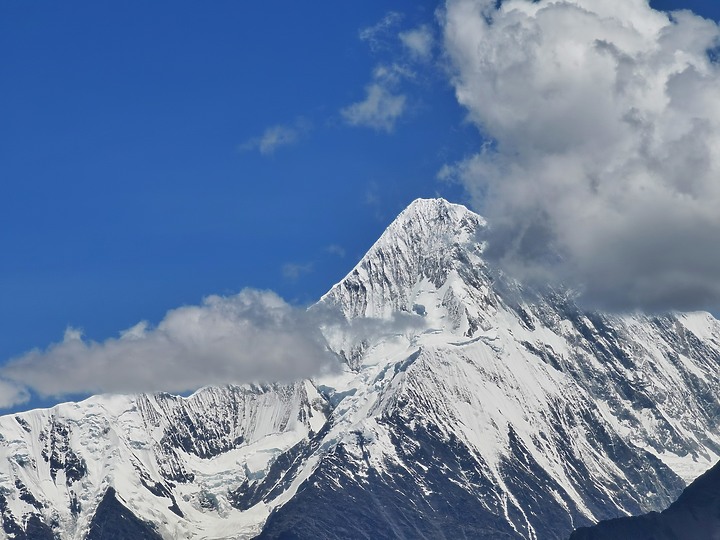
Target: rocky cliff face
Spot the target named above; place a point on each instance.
(468, 407)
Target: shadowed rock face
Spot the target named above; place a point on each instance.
(113, 521)
(694, 516)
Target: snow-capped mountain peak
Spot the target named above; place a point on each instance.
(428, 262)
(466, 408)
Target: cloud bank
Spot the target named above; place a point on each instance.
(251, 336)
(604, 166)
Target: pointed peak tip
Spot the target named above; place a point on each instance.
(432, 207)
(434, 201)
(422, 204)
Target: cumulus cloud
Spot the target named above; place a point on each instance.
(418, 41)
(603, 166)
(251, 336)
(382, 107)
(275, 137)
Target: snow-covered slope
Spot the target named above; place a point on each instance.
(469, 407)
(170, 460)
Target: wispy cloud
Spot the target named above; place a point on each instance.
(385, 101)
(251, 336)
(382, 106)
(335, 249)
(606, 125)
(379, 110)
(277, 136)
(293, 271)
(419, 42)
(380, 35)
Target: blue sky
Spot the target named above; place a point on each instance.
(125, 190)
(133, 177)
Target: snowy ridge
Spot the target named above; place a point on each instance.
(171, 460)
(468, 407)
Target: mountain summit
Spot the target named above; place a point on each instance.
(468, 407)
(426, 242)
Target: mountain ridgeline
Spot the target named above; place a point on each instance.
(467, 406)
(694, 516)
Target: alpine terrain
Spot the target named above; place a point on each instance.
(466, 406)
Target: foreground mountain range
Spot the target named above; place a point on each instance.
(466, 406)
(694, 516)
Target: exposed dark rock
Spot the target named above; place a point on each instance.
(59, 454)
(114, 521)
(36, 529)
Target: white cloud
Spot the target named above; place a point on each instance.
(419, 42)
(277, 136)
(252, 336)
(382, 107)
(605, 166)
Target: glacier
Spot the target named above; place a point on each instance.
(467, 406)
